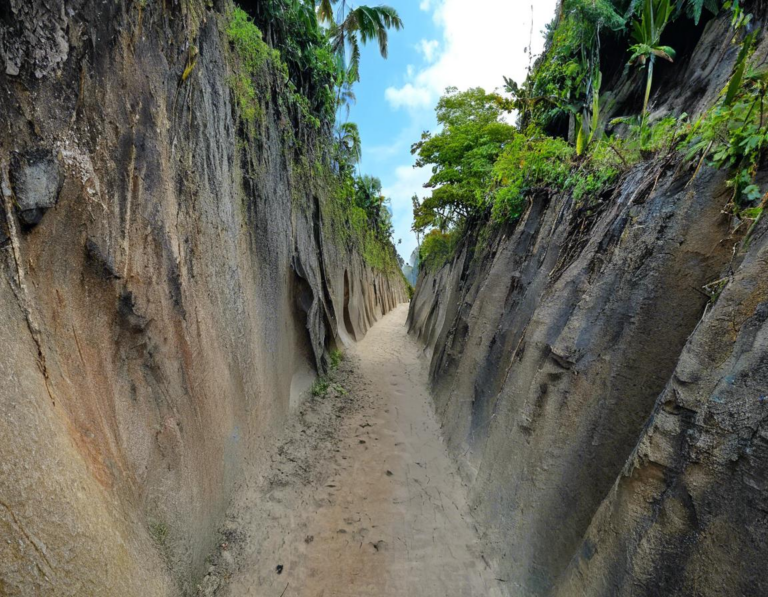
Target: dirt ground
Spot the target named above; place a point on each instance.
(360, 498)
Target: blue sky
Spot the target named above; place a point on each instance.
(444, 42)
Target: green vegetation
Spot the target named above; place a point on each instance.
(646, 31)
(461, 155)
(159, 532)
(531, 161)
(347, 29)
(485, 170)
(336, 356)
(734, 135)
(734, 132)
(359, 213)
(564, 80)
(320, 387)
(409, 289)
(323, 385)
(359, 216)
(318, 61)
(254, 54)
(314, 46)
(482, 165)
(438, 247)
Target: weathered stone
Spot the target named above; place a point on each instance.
(168, 324)
(609, 419)
(35, 36)
(36, 179)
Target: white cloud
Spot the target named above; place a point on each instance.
(427, 49)
(408, 180)
(408, 96)
(481, 43)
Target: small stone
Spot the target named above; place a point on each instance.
(11, 68)
(36, 179)
(210, 585)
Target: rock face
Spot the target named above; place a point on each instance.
(167, 292)
(608, 415)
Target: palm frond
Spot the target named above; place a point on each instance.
(389, 17)
(353, 71)
(373, 23)
(325, 11)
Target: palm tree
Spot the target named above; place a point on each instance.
(348, 145)
(647, 31)
(368, 196)
(368, 193)
(345, 97)
(351, 27)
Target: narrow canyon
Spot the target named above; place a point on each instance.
(215, 379)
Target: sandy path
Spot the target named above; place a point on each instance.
(367, 501)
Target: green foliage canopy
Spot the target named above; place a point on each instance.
(461, 156)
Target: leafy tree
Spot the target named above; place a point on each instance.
(323, 62)
(368, 196)
(437, 248)
(484, 169)
(461, 155)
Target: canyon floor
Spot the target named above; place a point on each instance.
(359, 497)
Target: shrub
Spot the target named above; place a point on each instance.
(320, 387)
(734, 135)
(529, 162)
(437, 248)
(253, 54)
(336, 357)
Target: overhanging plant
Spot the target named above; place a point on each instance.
(646, 31)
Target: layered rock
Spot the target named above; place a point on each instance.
(603, 398)
(169, 289)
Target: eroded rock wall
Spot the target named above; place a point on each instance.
(560, 343)
(169, 289)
